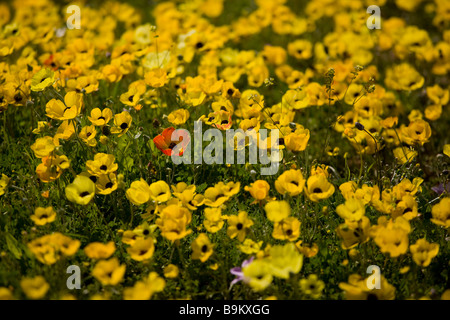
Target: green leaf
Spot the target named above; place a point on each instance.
(128, 163)
(12, 244)
(152, 145)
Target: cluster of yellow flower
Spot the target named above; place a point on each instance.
(361, 121)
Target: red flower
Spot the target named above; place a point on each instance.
(165, 143)
(50, 62)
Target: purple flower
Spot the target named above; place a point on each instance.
(439, 189)
(237, 271)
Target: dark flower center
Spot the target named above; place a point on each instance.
(204, 248)
(109, 185)
(84, 194)
(239, 226)
(317, 190)
(123, 126)
(103, 167)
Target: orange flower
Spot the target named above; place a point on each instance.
(165, 143)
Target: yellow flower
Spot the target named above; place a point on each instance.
(320, 169)
(312, 286)
(98, 250)
(352, 211)
(258, 274)
(287, 229)
(106, 184)
(350, 132)
(423, 251)
(144, 289)
(178, 116)
(404, 155)
(132, 97)
(404, 270)
(43, 147)
(298, 140)
(356, 289)
(87, 134)
(160, 191)
(122, 123)
(145, 230)
(354, 233)
(417, 132)
(215, 196)
(307, 250)
(404, 77)
(111, 73)
(139, 192)
(258, 189)
(389, 122)
(42, 125)
(142, 249)
(406, 207)
(277, 211)
(295, 99)
(109, 272)
(291, 182)
(300, 49)
(81, 190)
(213, 220)
(6, 294)
(433, 112)
(238, 225)
(48, 248)
(100, 117)
(438, 95)
(3, 183)
(441, 213)
(171, 271)
(34, 288)
(446, 150)
(446, 295)
(65, 244)
(103, 163)
(250, 247)
(65, 131)
(156, 78)
(318, 188)
(42, 79)
(173, 222)
(284, 260)
(70, 109)
(43, 216)
(202, 248)
(391, 236)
